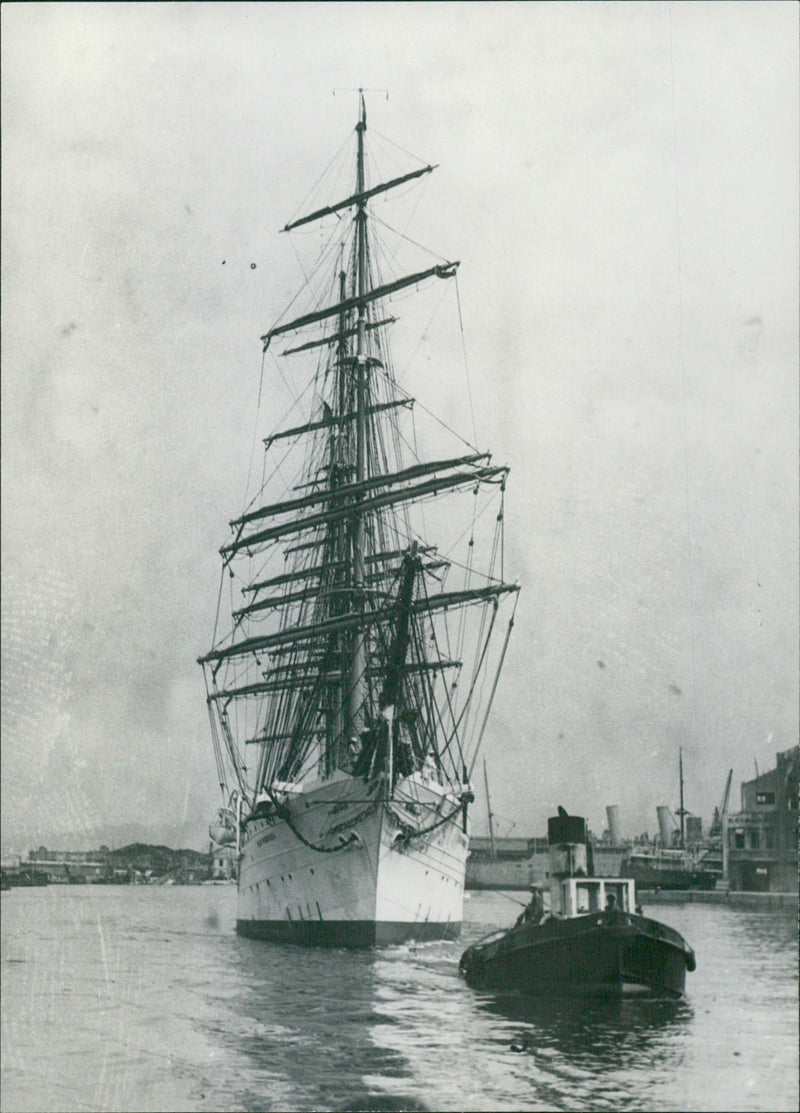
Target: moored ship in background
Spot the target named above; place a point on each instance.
(349, 692)
(674, 862)
(659, 868)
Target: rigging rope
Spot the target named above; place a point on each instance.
(437, 419)
(494, 686)
(403, 236)
(255, 431)
(475, 675)
(318, 182)
(467, 577)
(466, 364)
(392, 143)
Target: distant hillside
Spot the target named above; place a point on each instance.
(190, 836)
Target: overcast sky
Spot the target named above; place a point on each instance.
(620, 182)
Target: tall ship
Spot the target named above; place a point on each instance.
(369, 611)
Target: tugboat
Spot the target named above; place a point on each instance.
(594, 939)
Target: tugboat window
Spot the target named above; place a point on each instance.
(587, 897)
(621, 894)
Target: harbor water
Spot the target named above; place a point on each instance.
(143, 998)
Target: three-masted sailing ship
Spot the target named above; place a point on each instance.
(349, 692)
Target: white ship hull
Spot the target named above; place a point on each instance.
(374, 883)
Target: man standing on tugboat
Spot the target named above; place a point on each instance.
(534, 910)
(612, 911)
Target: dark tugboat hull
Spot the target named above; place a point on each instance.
(592, 954)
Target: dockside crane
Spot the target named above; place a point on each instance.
(722, 810)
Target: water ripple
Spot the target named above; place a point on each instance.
(135, 998)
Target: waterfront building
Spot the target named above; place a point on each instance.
(760, 840)
(223, 866)
(138, 861)
(71, 866)
(192, 866)
(188, 866)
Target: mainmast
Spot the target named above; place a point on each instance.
(358, 659)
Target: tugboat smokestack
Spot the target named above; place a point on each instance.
(566, 839)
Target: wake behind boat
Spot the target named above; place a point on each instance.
(594, 940)
(348, 695)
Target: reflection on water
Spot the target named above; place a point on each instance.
(134, 998)
(569, 1017)
(303, 1033)
(518, 1053)
(599, 1039)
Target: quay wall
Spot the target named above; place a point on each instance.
(717, 896)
